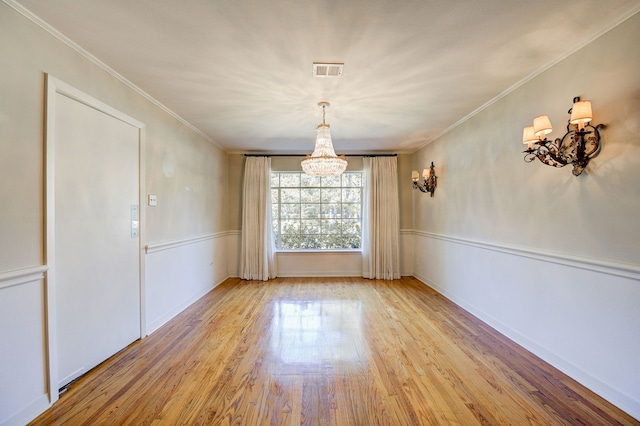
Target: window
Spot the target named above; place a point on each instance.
(316, 213)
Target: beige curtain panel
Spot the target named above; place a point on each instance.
(381, 219)
(257, 258)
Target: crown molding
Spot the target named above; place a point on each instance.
(70, 43)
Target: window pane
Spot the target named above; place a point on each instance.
(351, 226)
(350, 195)
(290, 195)
(307, 180)
(275, 179)
(275, 199)
(311, 226)
(351, 211)
(310, 211)
(290, 242)
(290, 211)
(328, 181)
(332, 242)
(331, 226)
(352, 179)
(290, 226)
(331, 195)
(312, 242)
(290, 179)
(352, 241)
(331, 210)
(310, 195)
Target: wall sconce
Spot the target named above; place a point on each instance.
(579, 145)
(430, 180)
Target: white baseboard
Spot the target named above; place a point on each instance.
(321, 274)
(615, 278)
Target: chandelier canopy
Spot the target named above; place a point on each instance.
(324, 161)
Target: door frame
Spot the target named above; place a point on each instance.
(53, 87)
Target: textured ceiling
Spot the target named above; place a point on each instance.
(240, 71)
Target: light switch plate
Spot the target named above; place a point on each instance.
(135, 220)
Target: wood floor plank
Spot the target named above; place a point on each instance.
(327, 351)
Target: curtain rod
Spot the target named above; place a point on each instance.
(304, 155)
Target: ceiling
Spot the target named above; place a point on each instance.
(240, 71)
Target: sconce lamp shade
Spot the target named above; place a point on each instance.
(528, 136)
(430, 180)
(581, 113)
(542, 126)
(579, 145)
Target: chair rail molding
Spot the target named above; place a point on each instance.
(152, 248)
(624, 270)
(22, 276)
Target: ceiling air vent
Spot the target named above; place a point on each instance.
(327, 70)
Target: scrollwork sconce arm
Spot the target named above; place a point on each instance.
(579, 144)
(430, 181)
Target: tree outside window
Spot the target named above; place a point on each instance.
(317, 213)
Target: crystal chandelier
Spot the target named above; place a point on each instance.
(324, 161)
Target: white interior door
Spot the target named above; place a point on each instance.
(96, 187)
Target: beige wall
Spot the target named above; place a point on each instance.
(549, 259)
(485, 194)
(405, 190)
(488, 193)
(187, 173)
(236, 176)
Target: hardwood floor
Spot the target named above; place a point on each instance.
(336, 351)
